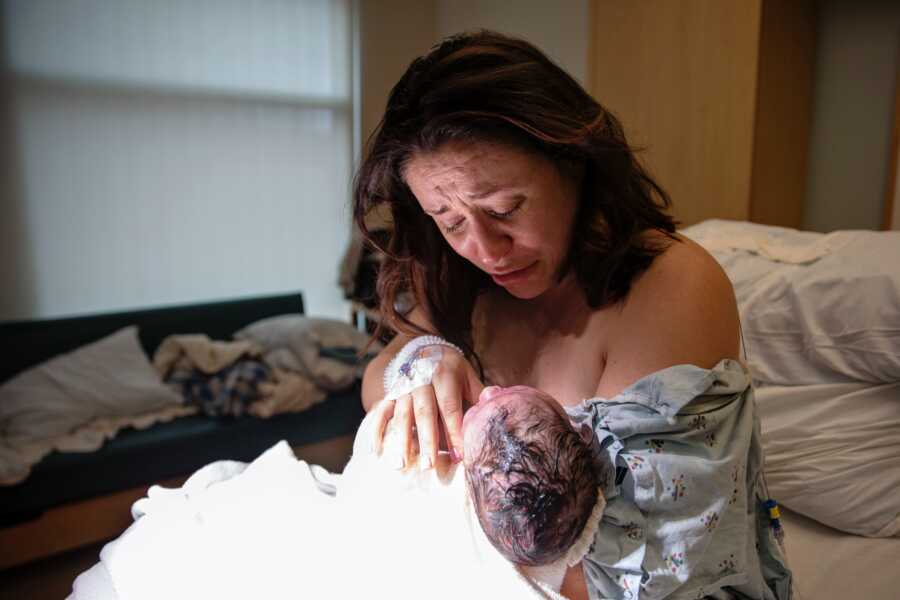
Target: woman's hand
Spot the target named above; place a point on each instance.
(430, 412)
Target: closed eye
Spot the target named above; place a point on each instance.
(503, 214)
(497, 214)
(454, 227)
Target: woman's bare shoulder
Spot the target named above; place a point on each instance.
(684, 267)
(682, 310)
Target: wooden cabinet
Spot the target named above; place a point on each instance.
(717, 94)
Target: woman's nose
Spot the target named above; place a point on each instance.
(491, 245)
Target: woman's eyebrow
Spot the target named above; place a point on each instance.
(515, 197)
(475, 196)
(483, 192)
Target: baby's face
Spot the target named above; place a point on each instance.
(517, 400)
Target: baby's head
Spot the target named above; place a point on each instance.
(530, 474)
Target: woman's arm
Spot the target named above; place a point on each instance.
(682, 310)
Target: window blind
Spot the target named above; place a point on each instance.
(174, 151)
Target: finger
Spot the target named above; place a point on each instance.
(384, 410)
(475, 387)
(412, 453)
(443, 436)
(448, 390)
(445, 441)
(414, 444)
(425, 410)
(404, 415)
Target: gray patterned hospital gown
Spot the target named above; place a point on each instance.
(684, 516)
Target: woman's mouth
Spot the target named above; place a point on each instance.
(513, 276)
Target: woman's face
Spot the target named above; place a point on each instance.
(508, 212)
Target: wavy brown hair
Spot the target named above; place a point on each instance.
(484, 86)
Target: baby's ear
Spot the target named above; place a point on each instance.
(585, 432)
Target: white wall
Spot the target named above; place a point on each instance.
(857, 50)
(171, 152)
(559, 28)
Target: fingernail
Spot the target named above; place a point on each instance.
(424, 462)
(454, 455)
(400, 463)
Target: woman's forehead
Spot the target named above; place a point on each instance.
(470, 163)
(453, 170)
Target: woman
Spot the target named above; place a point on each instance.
(528, 236)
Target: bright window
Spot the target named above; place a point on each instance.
(176, 150)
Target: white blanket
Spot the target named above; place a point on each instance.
(270, 530)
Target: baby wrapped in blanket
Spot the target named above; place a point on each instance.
(524, 507)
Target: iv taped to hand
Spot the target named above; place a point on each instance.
(414, 365)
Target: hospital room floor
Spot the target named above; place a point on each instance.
(48, 579)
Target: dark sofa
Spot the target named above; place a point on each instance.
(65, 485)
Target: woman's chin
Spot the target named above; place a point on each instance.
(548, 288)
(525, 290)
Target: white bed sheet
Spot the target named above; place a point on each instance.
(831, 565)
(833, 453)
(833, 450)
(815, 308)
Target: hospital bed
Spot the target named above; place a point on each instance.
(820, 315)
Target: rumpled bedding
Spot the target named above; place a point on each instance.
(77, 401)
(230, 378)
(832, 453)
(331, 354)
(199, 352)
(281, 528)
(815, 308)
(285, 392)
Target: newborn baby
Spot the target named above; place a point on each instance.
(525, 496)
(529, 488)
(530, 475)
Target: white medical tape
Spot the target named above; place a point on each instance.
(414, 365)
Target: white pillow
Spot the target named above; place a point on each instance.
(294, 342)
(814, 308)
(108, 378)
(833, 453)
